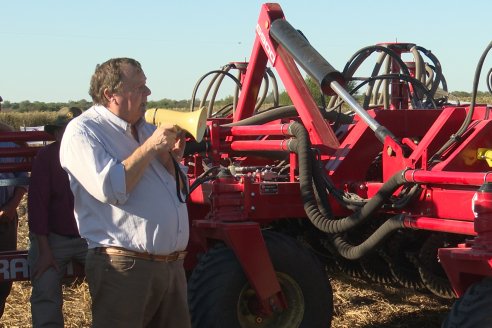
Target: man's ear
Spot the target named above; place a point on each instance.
(108, 95)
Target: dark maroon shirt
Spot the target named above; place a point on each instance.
(50, 200)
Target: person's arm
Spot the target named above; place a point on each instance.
(38, 202)
(8, 211)
(160, 143)
(45, 259)
(39, 194)
(104, 177)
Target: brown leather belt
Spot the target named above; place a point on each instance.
(112, 250)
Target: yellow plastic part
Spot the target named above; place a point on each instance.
(485, 154)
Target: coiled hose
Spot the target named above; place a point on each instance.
(316, 203)
(301, 145)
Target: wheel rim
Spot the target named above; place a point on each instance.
(289, 318)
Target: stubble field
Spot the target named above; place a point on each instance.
(357, 303)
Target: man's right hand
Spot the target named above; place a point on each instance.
(45, 259)
(163, 138)
(44, 262)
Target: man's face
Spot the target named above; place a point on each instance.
(132, 99)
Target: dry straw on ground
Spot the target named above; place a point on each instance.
(358, 303)
(18, 311)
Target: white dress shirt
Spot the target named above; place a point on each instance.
(148, 219)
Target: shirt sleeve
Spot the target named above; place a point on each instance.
(39, 193)
(86, 160)
(23, 175)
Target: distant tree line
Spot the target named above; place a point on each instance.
(37, 106)
(284, 99)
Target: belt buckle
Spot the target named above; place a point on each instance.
(181, 255)
(172, 257)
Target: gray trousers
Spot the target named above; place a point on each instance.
(136, 293)
(47, 295)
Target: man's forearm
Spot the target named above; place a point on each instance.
(16, 198)
(136, 164)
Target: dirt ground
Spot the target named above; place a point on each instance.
(362, 304)
(357, 303)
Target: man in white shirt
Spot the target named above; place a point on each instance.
(128, 192)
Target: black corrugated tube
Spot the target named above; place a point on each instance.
(352, 252)
(302, 147)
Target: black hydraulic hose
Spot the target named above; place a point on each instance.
(217, 76)
(353, 252)
(275, 92)
(356, 60)
(437, 68)
(193, 147)
(208, 175)
(375, 72)
(415, 83)
(302, 147)
(407, 197)
(284, 112)
(218, 72)
(224, 111)
(457, 136)
(320, 190)
(267, 78)
(261, 99)
(489, 80)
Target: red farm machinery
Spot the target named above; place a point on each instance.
(386, 178)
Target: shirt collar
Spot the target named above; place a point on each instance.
(110, 116)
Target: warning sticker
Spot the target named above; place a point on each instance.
(269, 189)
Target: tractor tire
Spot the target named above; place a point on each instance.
(472, 310)
(220, 296)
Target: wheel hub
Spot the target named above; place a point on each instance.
(291, 317)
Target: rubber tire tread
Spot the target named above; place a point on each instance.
(217, 280)
(473, 309)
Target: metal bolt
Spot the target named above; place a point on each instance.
(253, 208)
(252, 194)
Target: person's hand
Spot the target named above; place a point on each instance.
(164, 137)
(8, 213)
(179, 146)
(44, 262)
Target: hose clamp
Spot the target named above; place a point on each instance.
(282, 145)
(282, 129)
(485, 176)
(404, 173)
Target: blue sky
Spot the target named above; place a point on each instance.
(49, 48)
